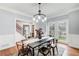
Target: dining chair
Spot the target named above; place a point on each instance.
(20, 48)
(28, 50)
(23, 49)
(54, 46)
(44, 50)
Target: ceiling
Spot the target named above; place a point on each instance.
(29, 9)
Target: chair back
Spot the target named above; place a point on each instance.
(19, 46)
(55, 41)
(23, 48)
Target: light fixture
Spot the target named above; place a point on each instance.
(39, 16)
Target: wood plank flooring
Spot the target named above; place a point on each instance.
(8, 52)
(69, 51)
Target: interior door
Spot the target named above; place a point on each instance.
(26, 30)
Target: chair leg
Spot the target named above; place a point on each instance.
(53, 50)
(57, 50)
(18, 54)
(38, 53)
(50, 52)
(30, 52)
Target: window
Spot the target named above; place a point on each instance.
(58, 29)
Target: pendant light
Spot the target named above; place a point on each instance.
(39, 17)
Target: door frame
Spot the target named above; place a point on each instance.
(60, 21)
(25, 31)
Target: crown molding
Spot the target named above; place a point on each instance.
(73, 10)
(65, 13)
(23, 20)
(24, 14)
(14, 11)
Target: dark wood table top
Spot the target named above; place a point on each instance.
(40, 42)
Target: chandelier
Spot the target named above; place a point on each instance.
(39, 16)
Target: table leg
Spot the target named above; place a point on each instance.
(53, 49)
(33, 52)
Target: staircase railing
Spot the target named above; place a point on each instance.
(19, 29)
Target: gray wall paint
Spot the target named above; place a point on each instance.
(73, 18)
(43, 25)
(73, 36)
(57, 18)
(7, 22)
(74, 22)
(8, 28)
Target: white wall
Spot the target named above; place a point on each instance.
(74, 22)
(56, 20)
(74, 29)
(8, 28)
(73, 40)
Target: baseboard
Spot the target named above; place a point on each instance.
(73, 40)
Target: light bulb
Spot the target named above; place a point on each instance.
(33, 19)
(39, 17)
(45, 19)
(36, 21)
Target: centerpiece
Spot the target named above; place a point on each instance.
(39, 33)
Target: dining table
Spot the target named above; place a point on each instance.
(40, 42)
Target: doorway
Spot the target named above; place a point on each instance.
(26, 30)
(58, 29)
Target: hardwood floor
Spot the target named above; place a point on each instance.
(69, 51)
(73, 51)
(8, 52)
